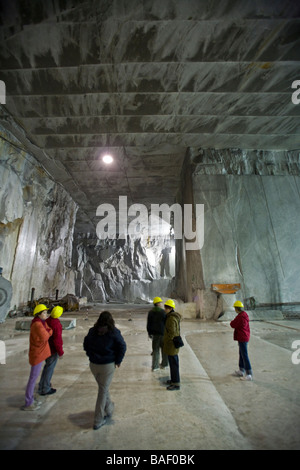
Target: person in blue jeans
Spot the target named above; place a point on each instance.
(242, 336)
(156, 327)
(56, 346)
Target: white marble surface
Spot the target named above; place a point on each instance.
(37, 219)
(252, 234)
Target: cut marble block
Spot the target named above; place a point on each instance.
(5, 297)
(24, 324)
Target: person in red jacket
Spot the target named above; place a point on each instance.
(39, 350)
(56, 347)
(242, 335)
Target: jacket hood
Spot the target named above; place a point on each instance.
(102, 330)
(175, 314)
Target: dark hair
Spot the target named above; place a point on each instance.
(105, 319)
(239, 309)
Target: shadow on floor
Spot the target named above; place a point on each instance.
(83, 420)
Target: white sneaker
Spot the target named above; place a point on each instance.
(247, 378)
(32, 407)
(238, 373)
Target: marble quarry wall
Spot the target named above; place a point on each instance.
(37, 218)
(252, 225)
(130, 271)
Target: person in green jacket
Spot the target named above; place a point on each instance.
(172, 329)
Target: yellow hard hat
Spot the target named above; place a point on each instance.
(39, 308)
(238, 303)
(157, 300)
(170, 303)
(57, 312)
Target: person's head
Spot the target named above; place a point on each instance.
(41, 311)
(157, 302)
(105, 320)
(238, 306)
(169, 305)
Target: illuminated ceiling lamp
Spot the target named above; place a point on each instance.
(108, 159)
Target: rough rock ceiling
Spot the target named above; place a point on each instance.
(146, 80)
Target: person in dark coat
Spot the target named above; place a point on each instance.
(105, 348)
(156, 327)
(242, 335)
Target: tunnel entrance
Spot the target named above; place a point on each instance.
(130, 270)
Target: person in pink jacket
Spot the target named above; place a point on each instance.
(242, 335)
(56, 347)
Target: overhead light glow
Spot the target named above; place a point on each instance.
(107, 159)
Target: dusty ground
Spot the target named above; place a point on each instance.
(213, 409)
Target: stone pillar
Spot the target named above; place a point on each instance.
(191, 282)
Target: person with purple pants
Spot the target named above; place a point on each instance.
(39, 350)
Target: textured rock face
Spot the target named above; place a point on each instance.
(129, 270)
(252, 223)
(246, 162)
(37, 218)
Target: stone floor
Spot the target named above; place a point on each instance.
(213, 410)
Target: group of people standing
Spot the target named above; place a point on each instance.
(106, 348)
(163, 325)
(45, 344)
(103, 344)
